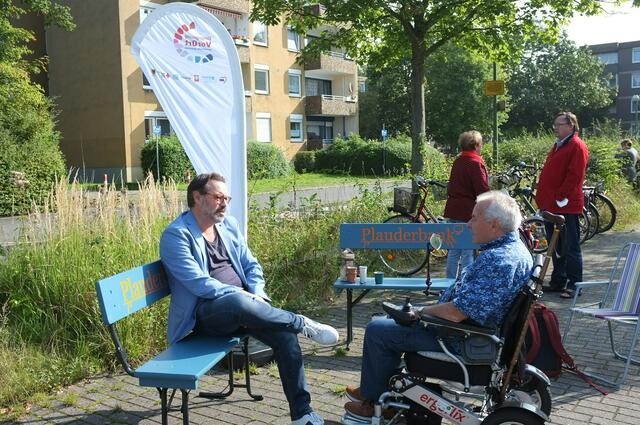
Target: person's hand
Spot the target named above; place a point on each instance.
(562, 203)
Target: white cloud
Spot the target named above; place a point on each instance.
(617, 24)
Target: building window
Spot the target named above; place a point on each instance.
(635, 80)
(633, 130)
(153, 119)
(613, 81)
(634, 106)
(322, 130)
(295, 127)
(261, 74)
(608, 58)
(362, 86)
(146, 85)
(260, 35)
(635, 55)
(315, 87)
(295, 83)
(263, 126)
(293, 40)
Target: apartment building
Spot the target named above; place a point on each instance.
(108, 110)
(622, 61)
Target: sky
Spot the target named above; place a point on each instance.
(620, 24)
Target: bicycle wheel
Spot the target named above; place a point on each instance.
(539, 234)
(608, 212)
(405, 262)
(585, 224)
(594, 218)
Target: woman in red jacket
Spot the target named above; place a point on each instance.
(560, 192)
(468, 179)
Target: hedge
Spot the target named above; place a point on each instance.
(174, 163)
(266, 161)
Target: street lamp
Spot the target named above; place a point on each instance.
(636, 99)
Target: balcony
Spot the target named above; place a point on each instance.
(327, 104)
(243, 50)
(334, 62)
(242, 6)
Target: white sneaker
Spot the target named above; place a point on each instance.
(310, 418)
(317, 332)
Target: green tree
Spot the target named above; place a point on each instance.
(382, 32)
(454, 96)
(550, 78)
(30, 157)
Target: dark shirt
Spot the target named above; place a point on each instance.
(220, 266)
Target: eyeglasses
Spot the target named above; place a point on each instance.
(556, 125)
(219, 198)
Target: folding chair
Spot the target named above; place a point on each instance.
(625, 308)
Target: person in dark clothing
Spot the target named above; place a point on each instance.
(560, 192)
(468, 179)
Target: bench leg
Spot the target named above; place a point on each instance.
(164, 405)
(232, 384)
(247, 374)
(185, 407)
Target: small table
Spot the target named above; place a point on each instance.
(404, 283)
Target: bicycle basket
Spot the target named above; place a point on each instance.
(439, 193)
(404, 200)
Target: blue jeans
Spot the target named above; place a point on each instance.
(457, 260)
(567, 267)
(384, 343)
(272, 326)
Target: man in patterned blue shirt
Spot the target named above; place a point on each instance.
(482, 294)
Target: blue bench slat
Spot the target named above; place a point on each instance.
(407, 283)
(404, 235)
(127, 292)
(183, 363)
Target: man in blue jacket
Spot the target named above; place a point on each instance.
(217, 288)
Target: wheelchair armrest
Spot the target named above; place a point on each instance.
(582, 285)
(426, 319)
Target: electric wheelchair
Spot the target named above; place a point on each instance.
(490, 367)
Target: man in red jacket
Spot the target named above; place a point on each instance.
(560, 192)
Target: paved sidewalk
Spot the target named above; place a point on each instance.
(118, 400)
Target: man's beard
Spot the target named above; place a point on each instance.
(217, 215)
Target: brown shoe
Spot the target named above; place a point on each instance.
(353, 393)
(364, 409)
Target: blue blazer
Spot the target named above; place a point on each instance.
(184, 256)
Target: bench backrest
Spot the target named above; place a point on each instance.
(127, 292)
(404, 235)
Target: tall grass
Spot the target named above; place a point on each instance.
(51, 332)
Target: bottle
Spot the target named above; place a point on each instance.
(348, 259)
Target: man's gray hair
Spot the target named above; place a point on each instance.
(502, 208)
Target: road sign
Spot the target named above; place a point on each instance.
(383, 133)
(157, 130)
(493, 87)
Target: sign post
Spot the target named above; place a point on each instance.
(384, 133)
(494, 88)
(156, 135)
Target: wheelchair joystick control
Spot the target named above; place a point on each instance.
(407, 305)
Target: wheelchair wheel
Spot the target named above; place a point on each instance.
(534, 391)
(512, 416)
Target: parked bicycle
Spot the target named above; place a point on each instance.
(412, 207)
(607, 211)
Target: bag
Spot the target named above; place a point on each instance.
(544, 346)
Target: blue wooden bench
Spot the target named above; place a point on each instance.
(182, 364)
(397, 236)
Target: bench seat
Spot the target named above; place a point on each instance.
(183, 363)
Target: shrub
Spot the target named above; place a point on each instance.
(305, 161)
(356, 156)
(174, 163)
(30, 158)
(266, 161)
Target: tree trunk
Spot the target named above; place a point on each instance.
(418, 124)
